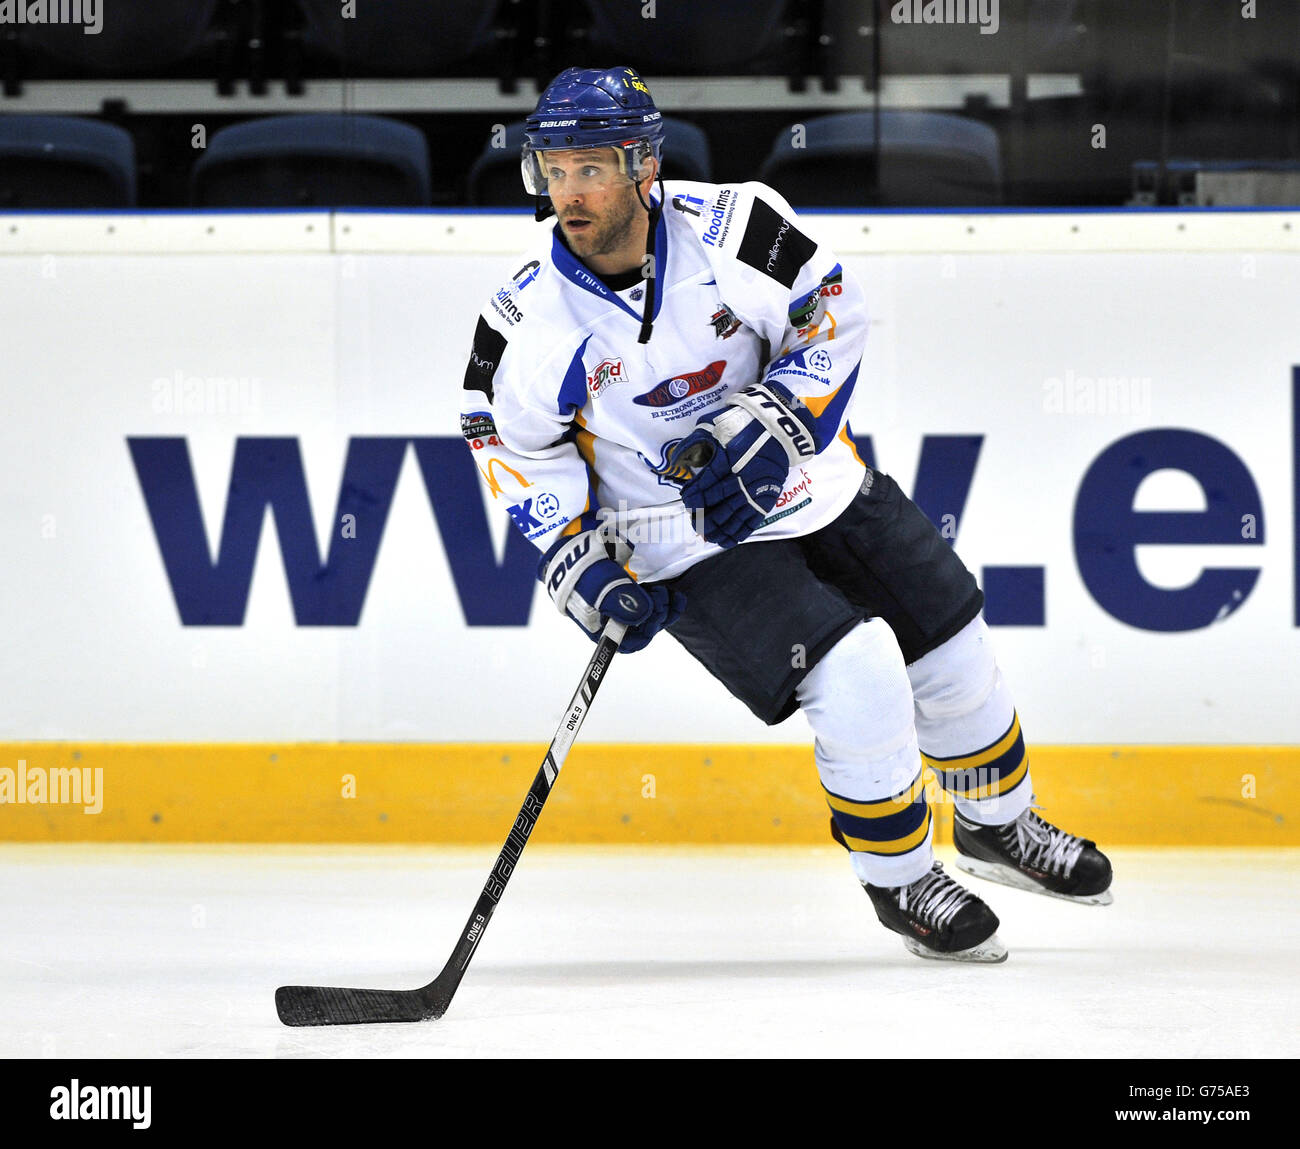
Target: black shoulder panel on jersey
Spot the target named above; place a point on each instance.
(484, 358)
(773, 245)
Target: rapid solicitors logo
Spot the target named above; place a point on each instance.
(88, 13)
(606, 373)
(981, 12)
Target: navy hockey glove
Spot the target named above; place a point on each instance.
(754, 440)
(584, 576)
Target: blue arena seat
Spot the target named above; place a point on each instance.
(695, 38)
(314, 161)
(134, 37)
(926, 159)
(398, 37)
(61, 162)
(494, 179)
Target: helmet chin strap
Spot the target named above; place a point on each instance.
(654, 209)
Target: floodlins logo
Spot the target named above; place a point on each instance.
(719, 218)
(681, 387)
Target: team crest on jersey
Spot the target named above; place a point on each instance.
(605, 374)
(725, 324)
(668, 473)
(681, 387)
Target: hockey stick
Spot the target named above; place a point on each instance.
(323, 1005)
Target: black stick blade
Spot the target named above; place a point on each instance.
(325, 1005)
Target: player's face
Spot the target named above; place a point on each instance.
(595, 202)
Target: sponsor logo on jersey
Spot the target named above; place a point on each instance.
(503, 304)
(719, 218)
(773, 245)
(522, 514)
(803, 364)
(688, 204)
(489, 346)
(725, 324)
(479, 430)
(528, 272)
(494, 482)
(795, 490)
(605, 374)
(775, 250)
(809, 310)
(681, 387)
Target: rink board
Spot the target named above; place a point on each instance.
(157, 368)
(633, 794)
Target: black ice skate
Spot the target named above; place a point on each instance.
(1031, 854)
(937, 918)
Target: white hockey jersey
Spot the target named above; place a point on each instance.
(572, 422)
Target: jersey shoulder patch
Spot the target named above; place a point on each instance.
(484, 358)
(773, 245)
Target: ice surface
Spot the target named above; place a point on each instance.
(147, 951)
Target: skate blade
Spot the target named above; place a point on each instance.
(989, 951)
(1007, 876)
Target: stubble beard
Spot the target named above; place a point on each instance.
(609, 236)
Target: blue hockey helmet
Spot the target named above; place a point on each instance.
(593, 108)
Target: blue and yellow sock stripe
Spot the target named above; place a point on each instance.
(889, 826)
(995, 770)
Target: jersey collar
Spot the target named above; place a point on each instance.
(573, 269)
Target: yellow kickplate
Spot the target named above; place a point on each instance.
(607, 793)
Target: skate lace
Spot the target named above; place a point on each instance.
(934, 898)
(1044, 847)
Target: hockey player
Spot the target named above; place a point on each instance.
(660, 397)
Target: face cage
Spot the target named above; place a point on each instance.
(632, 155)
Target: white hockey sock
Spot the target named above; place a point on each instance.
(859, 703)
(968, 730)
